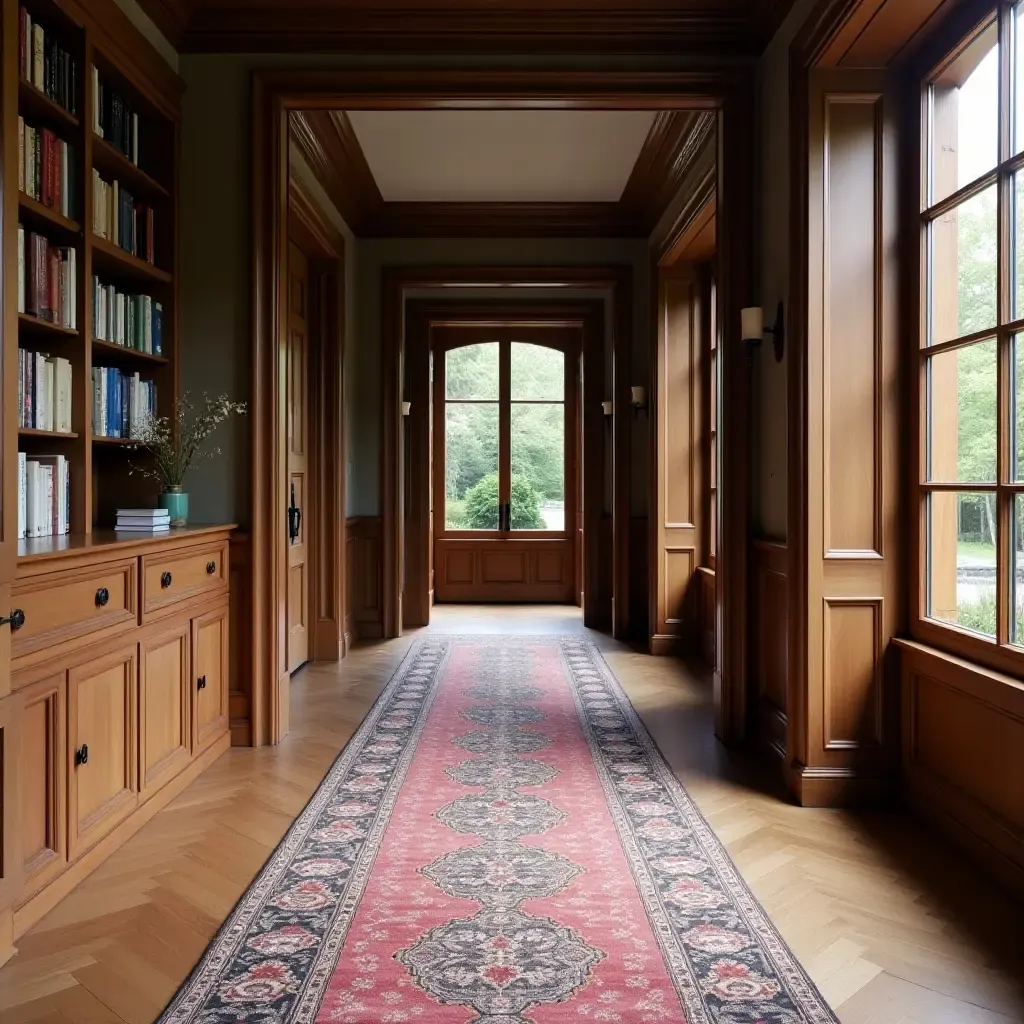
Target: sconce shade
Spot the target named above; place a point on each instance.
(638, 396)
(406, 408)
(752, 323)
(608, 407)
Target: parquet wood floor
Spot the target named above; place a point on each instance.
(894, 927)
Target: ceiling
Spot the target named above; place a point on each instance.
(547, 172)
(538, 156)
(704, 27)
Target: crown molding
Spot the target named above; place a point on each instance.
(328, 144)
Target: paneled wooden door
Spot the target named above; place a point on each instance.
(506, 447)
(297, 418)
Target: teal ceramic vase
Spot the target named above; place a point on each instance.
(175, 500)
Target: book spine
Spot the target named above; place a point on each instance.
(22, 496)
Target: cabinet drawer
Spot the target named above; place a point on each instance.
(184, 575)
(65, 608)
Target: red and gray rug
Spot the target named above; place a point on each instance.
(500, 843)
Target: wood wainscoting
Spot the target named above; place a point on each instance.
(769, 668)
(963, 755)
(364, 619)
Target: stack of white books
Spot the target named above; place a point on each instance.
(143, 520)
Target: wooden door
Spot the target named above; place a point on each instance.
(678, 484)
(102, 786)
(43, 782)
(210, 671)
(165, 727)
(297, 418)
(505, 463)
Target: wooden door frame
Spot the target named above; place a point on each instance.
(727, 90)
(586, 314)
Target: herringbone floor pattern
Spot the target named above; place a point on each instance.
(894, 928)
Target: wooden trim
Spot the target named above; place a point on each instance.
(462, 28)
(363, 574)
(676, 142)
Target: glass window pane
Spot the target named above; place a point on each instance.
(965, 117)
(1018, 77)
(713, 541)
(962, 285)
(1017, 398)
(472, 372)
(1017, 264)
(538, 372)
(962, 393)
(471, 467)
(538, 467)
(1017, 571)
(962, 560)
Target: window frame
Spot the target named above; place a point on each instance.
(939, 54)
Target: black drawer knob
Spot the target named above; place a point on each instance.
(211, 568)
(82, 755)
(201, 683)
(165, 580)
(15, 620)
(102, 597)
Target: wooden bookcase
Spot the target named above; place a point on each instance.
(99, 466)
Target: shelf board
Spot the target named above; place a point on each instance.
(33, 101)
(46, 214)
(106, 256)
(110, 160)
(114, 441)
(35, 325)
(54, 434)
(126, 354)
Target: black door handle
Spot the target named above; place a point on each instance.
(201, 683)
(294, 518)
(504, 517)
(15, 620)
(82, 755)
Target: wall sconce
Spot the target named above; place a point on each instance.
(754, 330)
(406, 408)
(608, 407)
(638, 398)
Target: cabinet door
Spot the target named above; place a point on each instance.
(43, 782)
(210, 672)
(165, 728)
(102, 787)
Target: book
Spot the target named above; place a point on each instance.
(45, 64)
(49, 281)
(124, 522)
(122, 402)
(44, 495)
(22, 495)
(145, 513)
(46, 168)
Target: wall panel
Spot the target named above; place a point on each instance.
(363, 576)
(769, 641)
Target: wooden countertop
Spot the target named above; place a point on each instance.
(32, 550)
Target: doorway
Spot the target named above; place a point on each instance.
(506, 487)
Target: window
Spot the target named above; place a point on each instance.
(712, 424)
(971, 362)
(505, 437)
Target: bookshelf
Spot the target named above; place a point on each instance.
(120, 123)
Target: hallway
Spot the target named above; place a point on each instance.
(867, 902)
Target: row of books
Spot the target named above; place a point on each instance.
(135, 321)
(114, 120)
(122, 403)
(46, 168)
(44, 495)
(47, 279)
(118, 218)
(44, 63)
(44, 391)
(143, 520)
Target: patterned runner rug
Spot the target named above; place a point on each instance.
(500, 843)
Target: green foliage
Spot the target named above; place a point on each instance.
(455, 514)
(481, 506)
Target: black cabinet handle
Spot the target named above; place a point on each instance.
(82, 755)
(211, 568)
(15, 620)
(165, 580)
(201, 683)
(102, 597)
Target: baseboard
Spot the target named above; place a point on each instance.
(839, 787)
(46, 899)
(662, 645)
(7, 947)
(241, 732)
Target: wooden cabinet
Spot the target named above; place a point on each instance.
(165, 723)
(43, 782)
(102, 786)
(117, 710)
(210, 671)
